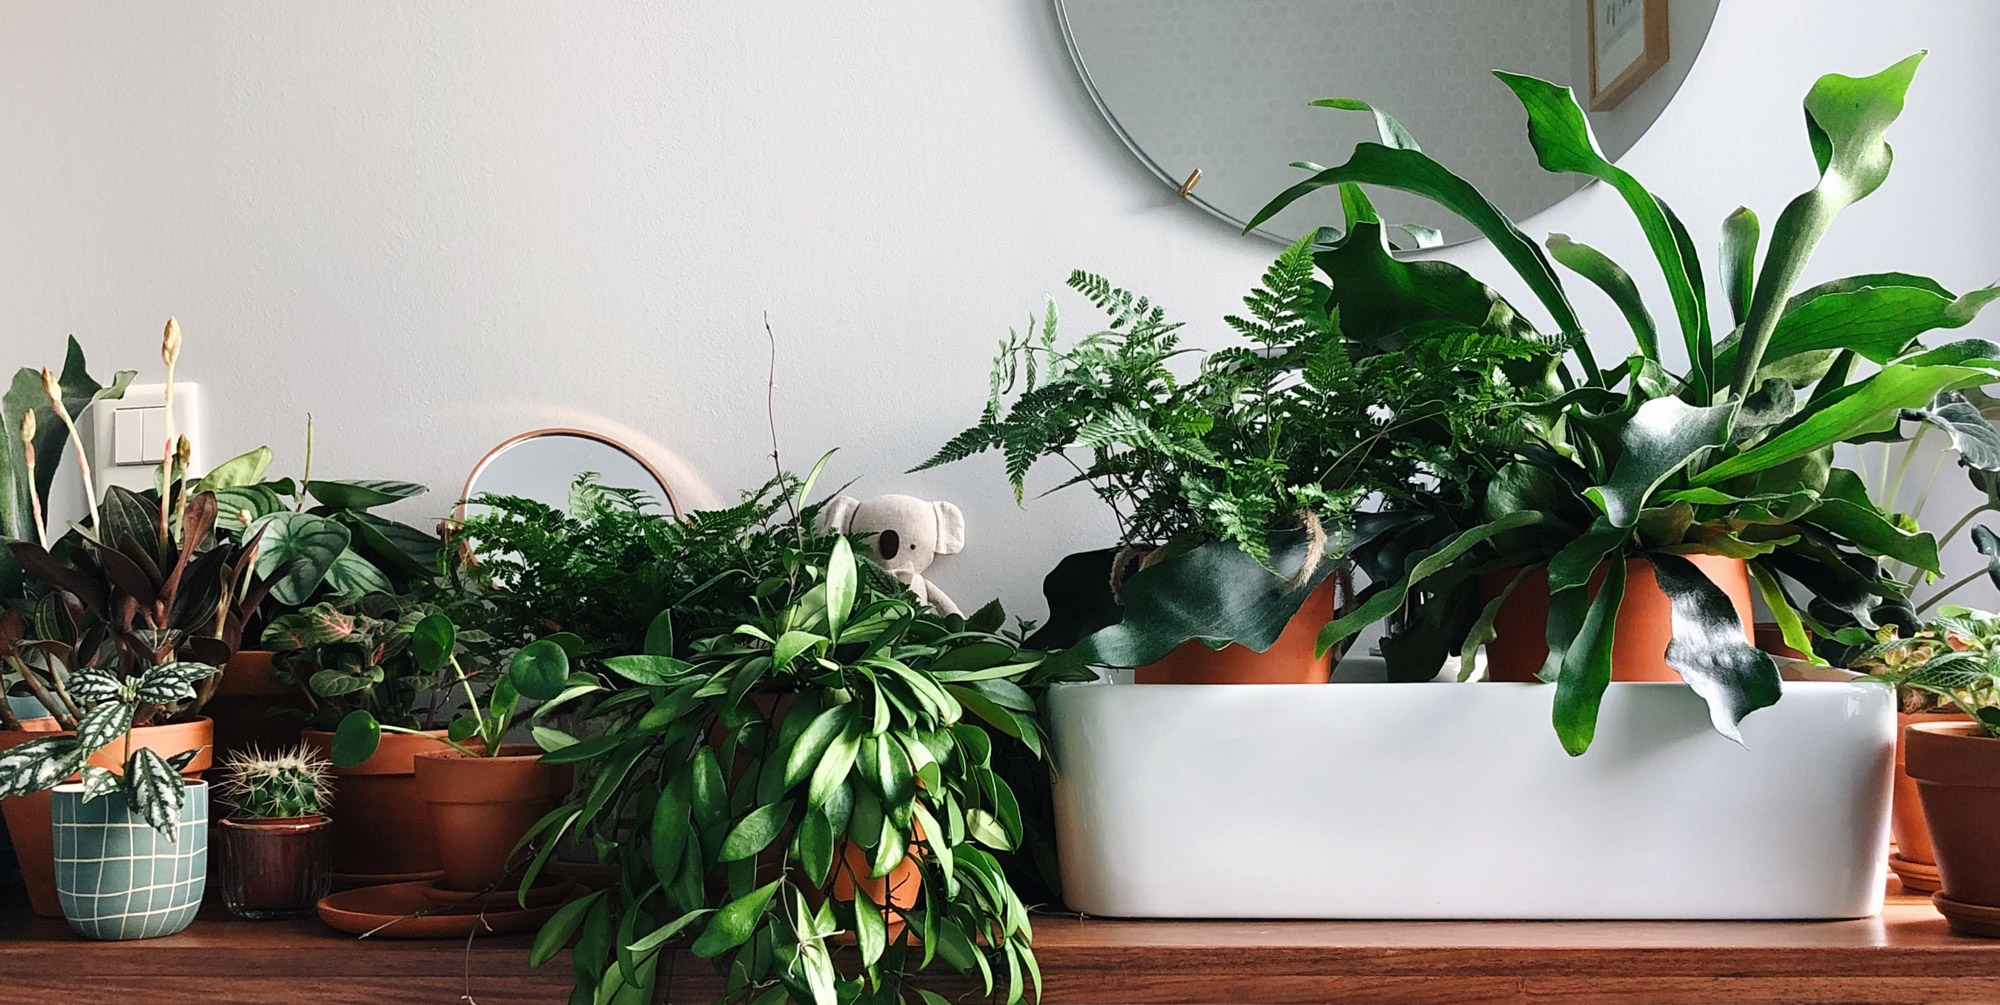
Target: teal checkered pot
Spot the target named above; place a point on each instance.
(119, 878)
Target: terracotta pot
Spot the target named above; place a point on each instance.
(1913, 860)
(896, 893)
(480, 807)
(1957, 771)
(1290, 659)
(1644, 627)
(381, 831)
(250, 707)
(1771, 638)
(29, 817)
(274, 868)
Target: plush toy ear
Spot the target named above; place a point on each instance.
(839, 514)
(951, 529)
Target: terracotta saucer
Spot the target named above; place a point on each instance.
(555, 889)
(357, 880)
(1917, 877)
(1968, 919)
(404, 911)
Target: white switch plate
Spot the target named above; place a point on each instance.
(129, 434)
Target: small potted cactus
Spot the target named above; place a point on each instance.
(274, 840)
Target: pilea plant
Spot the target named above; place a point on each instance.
(492, 701)
(1732, 455)
(820, 771)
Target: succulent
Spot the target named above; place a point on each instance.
(289, 783)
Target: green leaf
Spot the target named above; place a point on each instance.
(103, 724)
(17, 483)
(659, 936)
(1560, 134)
(539, 670)
(1379, 295)
(237, 472)
(707, 794)
(1659, 439)
(815, 840)
(650, 670)
(302, 546)
(1872, 405)
(556, 932)
(754, 832)
(668, 831)
(38, 765)
(433, 640)
(1586, 664)
(1846, 510)
(870, 934)
(99, 782)
(660, 635)
(831, 772)
(1972, 435)
(363, 494)
(1740, 232)
(1732, 676)
(1391, 131)
(353, 577)
(840, 586)
(733, 925)
(172, 682)
(153, 790)
(1382, 603)
(1780, 606)
(356, 738)
(1877, 323)
(790, 645)
(1846, 119)
(812, 744)
(1616, 283)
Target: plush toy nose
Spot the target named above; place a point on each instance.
(887, 543)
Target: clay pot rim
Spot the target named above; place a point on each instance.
(78, 786)
(528, 752)
(1937, 754)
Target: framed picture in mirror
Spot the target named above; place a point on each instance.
(1628, 41)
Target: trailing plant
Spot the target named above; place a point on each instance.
(1267, 451)
(1732, 455)
(351, 655)
(817, 766)
(288, 783)
(1953, 662)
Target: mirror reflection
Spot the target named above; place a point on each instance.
(544, 464)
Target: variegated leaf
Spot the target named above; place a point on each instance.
(98, 781)
(154, 790)
(171, 682)
(180, 761)
(103, 724)
(40, 764)
(96, 685)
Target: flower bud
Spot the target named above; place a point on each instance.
(182, 451)
(49, 385)
(28, 427)
(170, 342)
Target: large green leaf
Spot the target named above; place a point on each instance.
(1740, 232)
(1586, 661)
(733, 925)
(1379, 295)
(1415, 172)
(1875, 322)
(1868, 406)
(1215, 593)
(1562, 140)
(362, 494)
(1616, 283)
(1846, 119)
(304, 546)
(78, 391)
(1732, 676)
(539, 669)
(1383, 602)
(1662, 436)
(351, 577)
(241, 471)
(1847, 511)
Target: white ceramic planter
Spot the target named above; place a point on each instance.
(1456, 801)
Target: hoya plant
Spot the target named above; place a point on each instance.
(1725, 450)
(1234, 473)
(819, 773)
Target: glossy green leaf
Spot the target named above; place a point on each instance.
(649, 670)
(17, 483)
(1659, 439)
(38, 765)
(1379, 295)
(355, 739)
(660, 635)
(1708, 647)
(1380, 604)
(1616, 283)
(556, 932)
(1846, 510)
(539, 670)
(840, 586)
(1740, 232)
(754, 832)
(1387, 128)
(733, 925)
(659, 936)
(352, 577)
(811, 745)
(1586, 663)
(1878, 323)
(433, 641)
(236, 472)
(363, 494)
(302, 547)
(831, 771)
(103, 724)
(871, 935)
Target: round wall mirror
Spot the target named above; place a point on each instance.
(1225, 89)
(543, 464)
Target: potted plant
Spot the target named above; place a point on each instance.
(481, 792)
(342, 656)
(1238, 489)
(1623, 537)
(818, 771)
(274, 840)
(1955, 765)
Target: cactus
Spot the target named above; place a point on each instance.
(289, 783)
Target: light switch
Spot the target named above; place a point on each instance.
(138, 435)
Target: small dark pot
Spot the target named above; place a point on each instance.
(274, 868)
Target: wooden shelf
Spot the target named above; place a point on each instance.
(1903, 956)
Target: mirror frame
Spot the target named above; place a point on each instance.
(465, 494)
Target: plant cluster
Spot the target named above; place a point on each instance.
(818, 765)
(289, 783)
(1732, 455)
(351, 655)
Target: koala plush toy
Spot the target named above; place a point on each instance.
(904, 535)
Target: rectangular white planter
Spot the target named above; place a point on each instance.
(1454, 801)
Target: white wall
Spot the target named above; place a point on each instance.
(433, 225)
